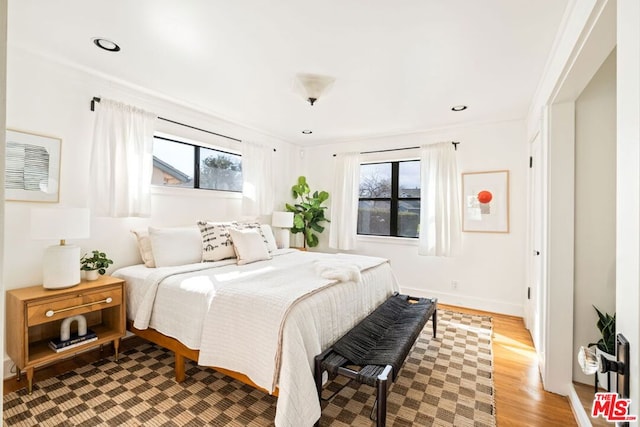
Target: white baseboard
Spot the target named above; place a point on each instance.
(582, 418)
(493, 306)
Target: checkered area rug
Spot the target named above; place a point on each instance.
(446, 381)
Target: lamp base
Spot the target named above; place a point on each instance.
(61, 267)
(282, 238)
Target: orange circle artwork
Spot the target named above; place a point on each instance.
(485, 196)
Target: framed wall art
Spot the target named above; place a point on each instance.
(485, 201)
(32, 167)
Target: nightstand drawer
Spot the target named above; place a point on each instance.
(44, 312)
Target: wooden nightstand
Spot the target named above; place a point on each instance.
(34, 316)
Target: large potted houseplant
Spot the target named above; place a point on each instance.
(605, 346)
(308, 212)
(94, 264)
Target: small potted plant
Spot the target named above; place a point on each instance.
(606, 345)
(94, 264)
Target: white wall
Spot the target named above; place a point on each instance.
(491, 268)
(590, 21)
(628, 191)
(595, 207)
(53, 99)
(3, 75)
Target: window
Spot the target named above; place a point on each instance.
(389, 200)
(179, 164)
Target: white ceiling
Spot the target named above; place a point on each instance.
(399, 65)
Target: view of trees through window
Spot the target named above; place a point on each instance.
(389, 202)
(178, 164)
(220, 171)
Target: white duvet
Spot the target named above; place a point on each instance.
(268, 319)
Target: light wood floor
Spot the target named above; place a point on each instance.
(520, 399)
(585, 393)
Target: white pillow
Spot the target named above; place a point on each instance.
(249, 246)
(144, 246)
(216, 243)
(268, 241)
(175, 245)
(267, 233)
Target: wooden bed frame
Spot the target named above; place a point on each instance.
(181, 352)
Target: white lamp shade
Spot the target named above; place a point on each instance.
(282, 219)
(61, 263)
(59, 223)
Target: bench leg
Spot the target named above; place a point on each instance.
(434, 321)
(317, 373)
(382, 389)
(381, 414)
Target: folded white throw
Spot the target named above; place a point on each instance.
(336, 270)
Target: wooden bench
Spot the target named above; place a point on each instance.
(374, 350)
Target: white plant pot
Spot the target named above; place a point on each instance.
(603, 382)
(91, 275)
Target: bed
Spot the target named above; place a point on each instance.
(262, 322)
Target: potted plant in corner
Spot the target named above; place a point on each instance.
(95, 264)
(308, 213)
(605, 346)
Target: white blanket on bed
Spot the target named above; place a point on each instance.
(145, 296)
(245, 315)
(245, 330)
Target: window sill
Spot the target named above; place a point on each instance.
(193, 192)
(388, 240)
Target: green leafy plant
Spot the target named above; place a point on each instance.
(97, 261)
(607, 327)
(308, 213)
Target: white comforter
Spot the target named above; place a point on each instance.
(244, 327)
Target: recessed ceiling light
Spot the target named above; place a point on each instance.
(458, 108)
(307, 132)
(106, 44)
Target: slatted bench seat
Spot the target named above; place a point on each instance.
(374, 350)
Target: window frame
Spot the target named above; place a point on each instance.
(394, 200)
(196, 166)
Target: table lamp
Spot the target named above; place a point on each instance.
(61, 263)
(283, 221)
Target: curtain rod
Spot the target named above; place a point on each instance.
(455, 147)
(97, 99)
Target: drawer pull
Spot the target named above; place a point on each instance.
(50, 313)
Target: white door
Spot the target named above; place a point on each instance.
(534, 303)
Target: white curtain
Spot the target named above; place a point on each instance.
(121, 161)
(440, 231)
(344, 202)
(257, 177)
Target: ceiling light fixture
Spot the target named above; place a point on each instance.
(307, 131)
(459, 108)
(105, 44)
(311, 86)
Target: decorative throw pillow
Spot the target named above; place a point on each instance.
(249, 245)
(175, 245)
(257, 227)
(267, 233)
(144, 246)
(216, 240)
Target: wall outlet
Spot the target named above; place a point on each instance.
(454, 284)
